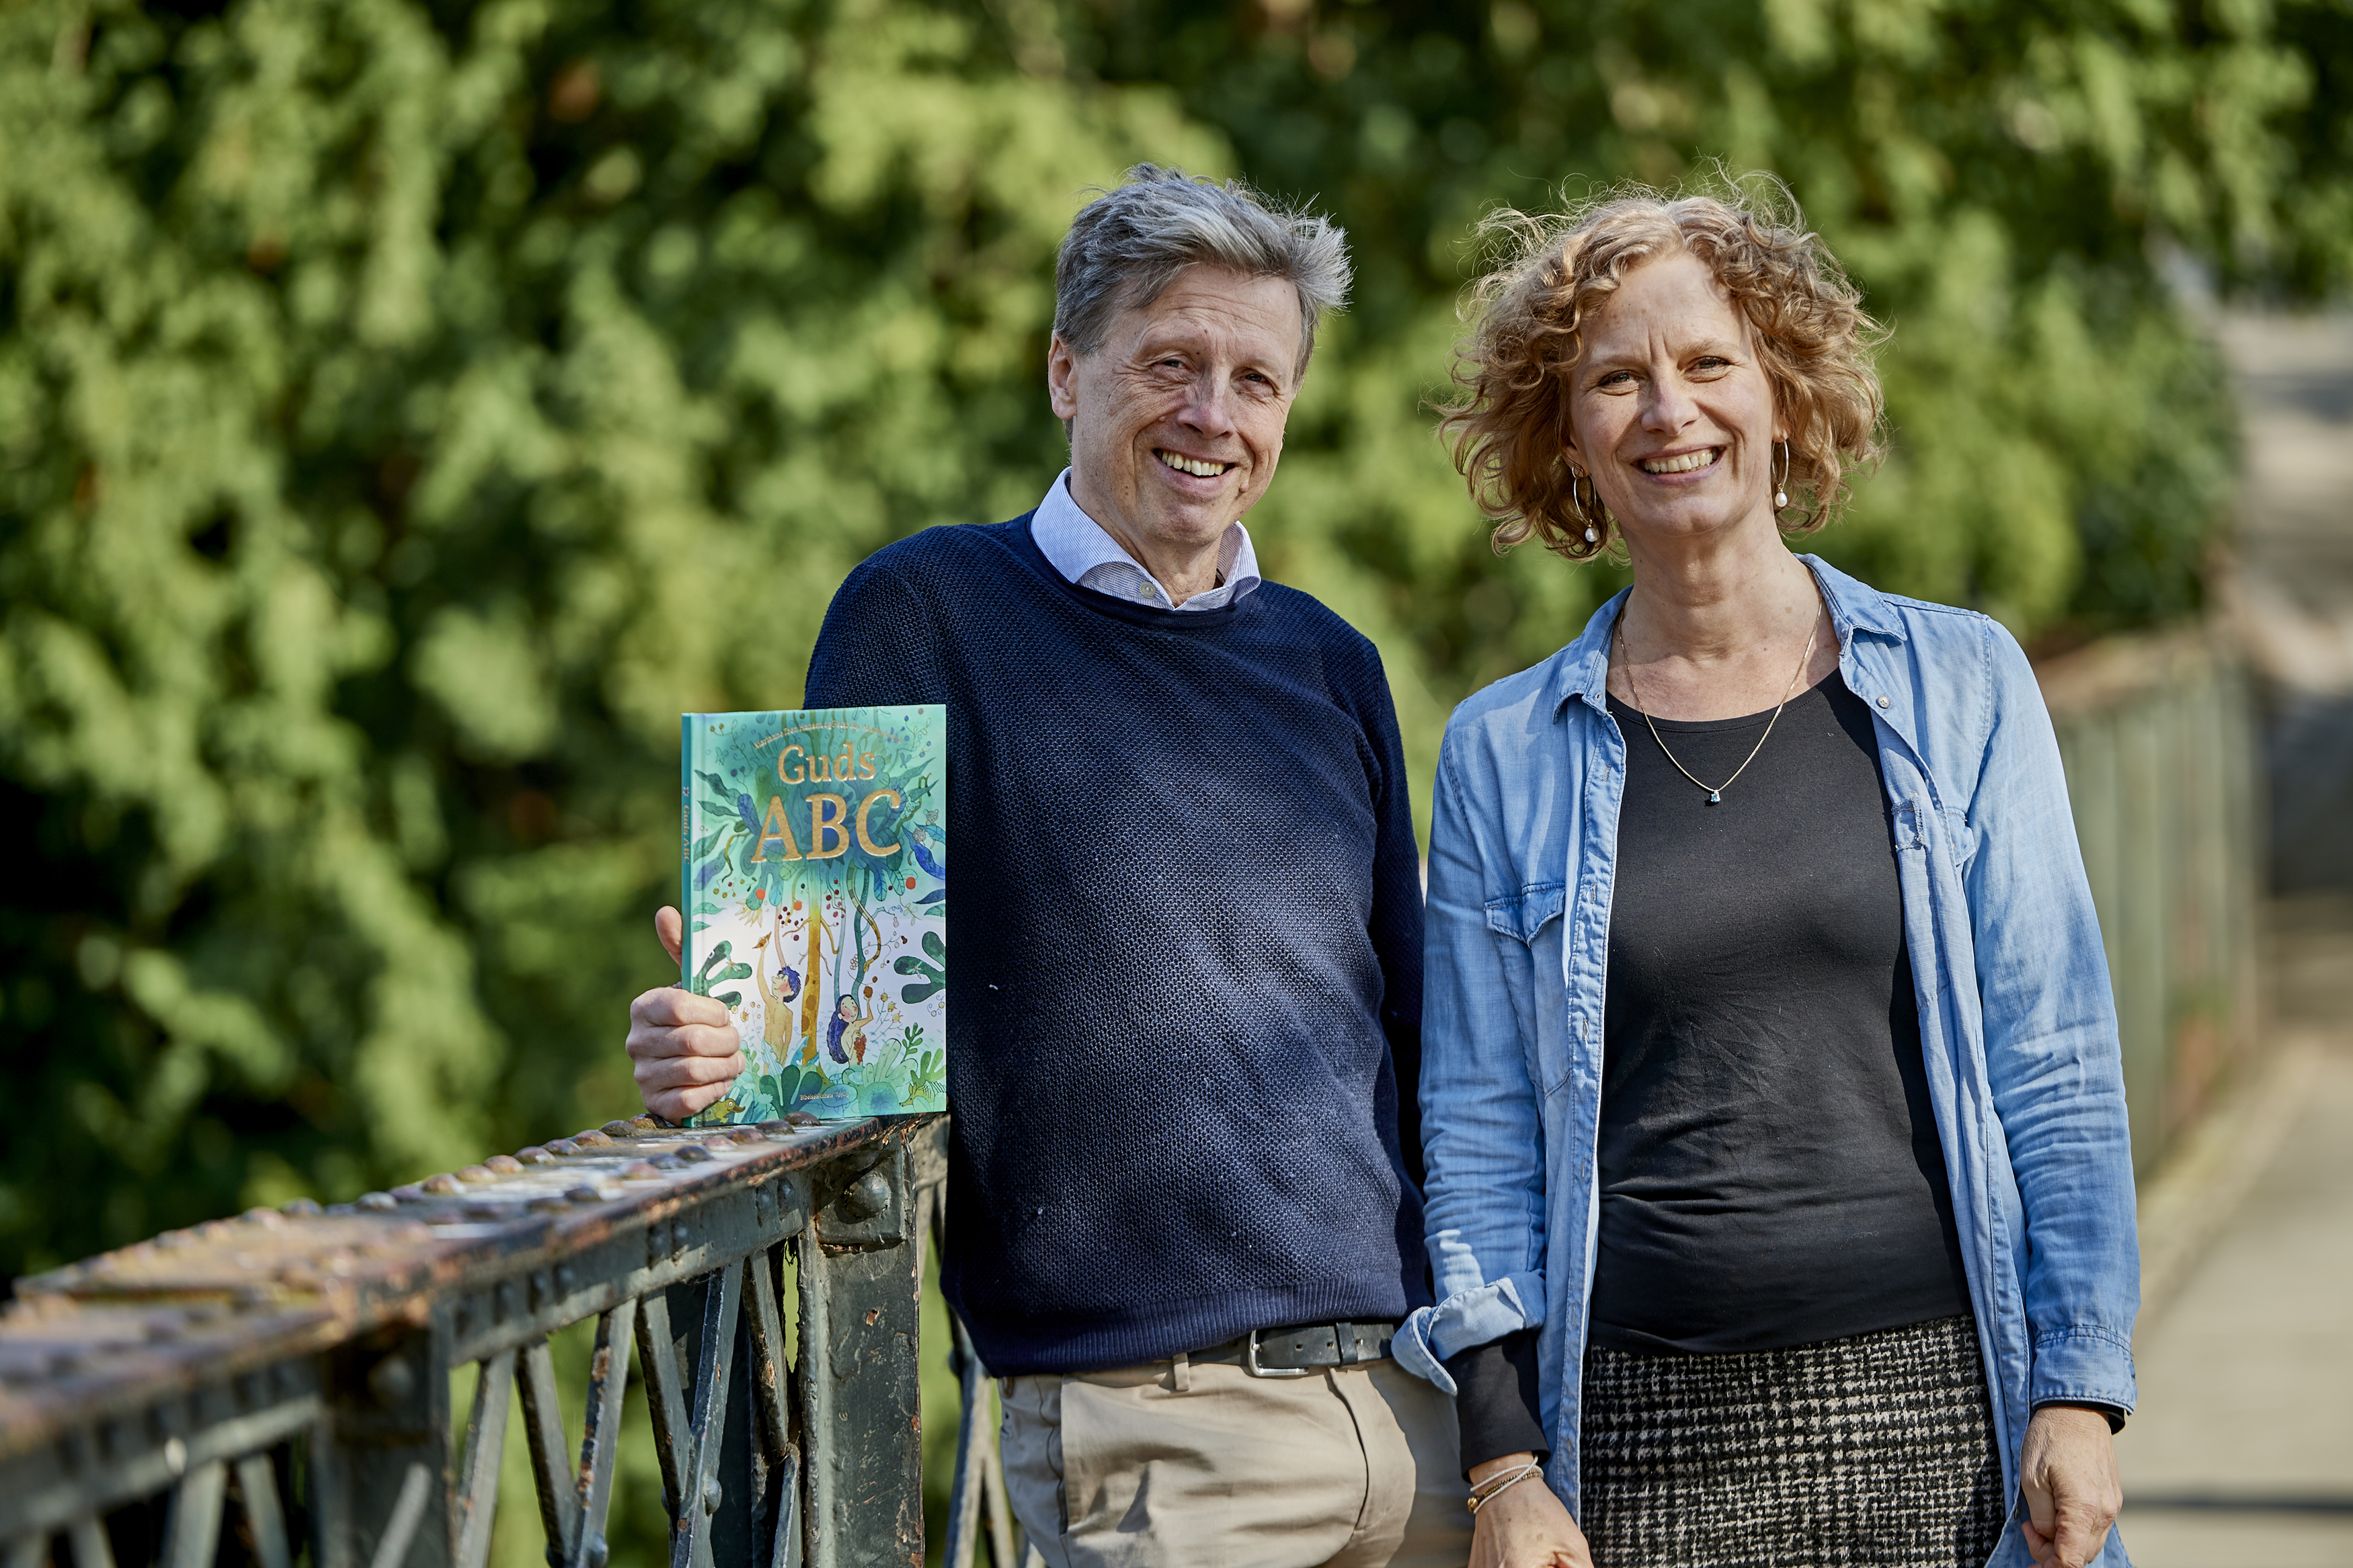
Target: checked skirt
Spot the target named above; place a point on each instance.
(1876, 1449)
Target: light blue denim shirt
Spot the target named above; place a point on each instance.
(2016, 1024)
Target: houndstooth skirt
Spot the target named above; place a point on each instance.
(1877, 1449)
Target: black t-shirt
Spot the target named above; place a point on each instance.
(1769, 1167)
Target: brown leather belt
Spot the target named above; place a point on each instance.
(1295, 1352)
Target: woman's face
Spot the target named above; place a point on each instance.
(1672, 415)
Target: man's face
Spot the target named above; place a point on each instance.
(1176, 416)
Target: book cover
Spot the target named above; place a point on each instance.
(816, 905)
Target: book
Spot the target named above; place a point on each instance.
(815, 896)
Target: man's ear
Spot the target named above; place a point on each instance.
(1062, 380)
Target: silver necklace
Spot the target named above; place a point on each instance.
(1715, 792)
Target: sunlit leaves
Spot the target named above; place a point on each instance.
(405, 412)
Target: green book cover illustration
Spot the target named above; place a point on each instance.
(816, 904)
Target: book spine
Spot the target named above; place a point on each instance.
(686, 730)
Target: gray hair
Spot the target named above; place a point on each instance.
(1128, 245)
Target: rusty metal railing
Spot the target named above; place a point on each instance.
(298, 1362)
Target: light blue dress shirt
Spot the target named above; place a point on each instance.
(2017, 1025)
(1083, 553)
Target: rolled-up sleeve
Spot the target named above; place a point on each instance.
(2051, 1052)
(1481, 1128)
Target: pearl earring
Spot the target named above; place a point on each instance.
(1780, 493)
(1578, 502)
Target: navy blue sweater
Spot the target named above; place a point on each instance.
(1184, 931)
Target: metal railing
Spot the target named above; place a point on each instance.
(299, 1361)
(2158, 733)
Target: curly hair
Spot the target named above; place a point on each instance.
(1510, 432)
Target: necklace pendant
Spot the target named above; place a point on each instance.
(1715, 797)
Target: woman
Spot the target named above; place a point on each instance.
(847, 1018)
(1780, 1191)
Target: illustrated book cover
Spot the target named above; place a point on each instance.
(816, 905)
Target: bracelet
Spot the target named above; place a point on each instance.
(1496, 1483)
(1494, 1486)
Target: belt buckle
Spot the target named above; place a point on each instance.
(1249, 1362)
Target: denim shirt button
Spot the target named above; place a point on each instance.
(1883, 702)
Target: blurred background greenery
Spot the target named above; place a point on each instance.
(408, 407)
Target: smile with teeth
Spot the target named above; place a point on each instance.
(1193, 466)
(1684, 463)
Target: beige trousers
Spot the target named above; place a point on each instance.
(1174, 1464)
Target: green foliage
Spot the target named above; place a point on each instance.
(933, 974)
(405, 414)
(407, 410)
(2314, 255)
(2004, 180)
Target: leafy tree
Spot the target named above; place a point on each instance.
(2314, 257)
(408, 407)
(405, 412)
(2011, 184)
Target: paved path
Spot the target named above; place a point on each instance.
(2243, 1454)
(2289, 591)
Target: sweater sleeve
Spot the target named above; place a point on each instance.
(1396, 924)
(879, 646)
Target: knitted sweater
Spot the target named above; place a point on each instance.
(1186, 923)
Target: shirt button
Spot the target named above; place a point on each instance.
(1883, 702)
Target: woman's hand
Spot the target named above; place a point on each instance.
(684, 1044)
(1525, 1526)
(2068, 1472)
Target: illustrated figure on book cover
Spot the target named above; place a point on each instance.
(815, 899)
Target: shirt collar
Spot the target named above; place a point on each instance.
(1075, 544)
(1583, 667)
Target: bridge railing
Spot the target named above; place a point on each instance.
(280, 1383)
(2158, 735)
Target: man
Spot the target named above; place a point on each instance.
(1186, 1024)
